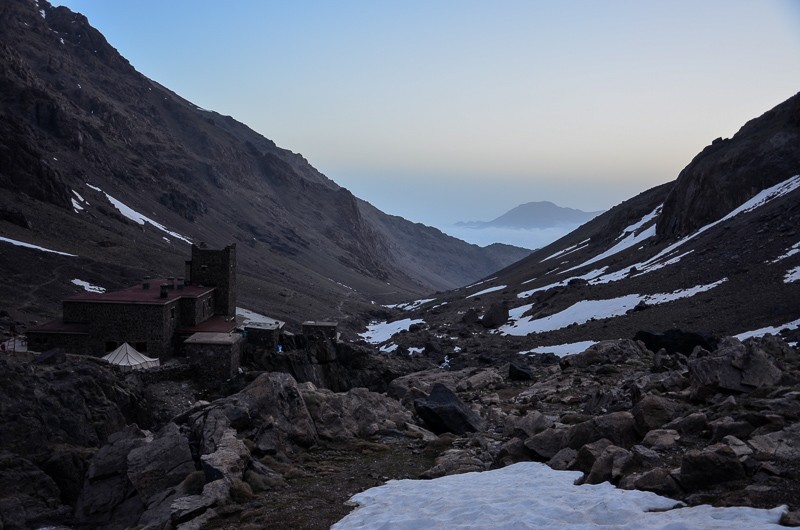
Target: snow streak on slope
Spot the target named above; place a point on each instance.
(588, 276)
(34, 247)
(772, 330)
(792, 275)
(568, 250)
(489, 290)
(586, 310)
(668, 255)
(136, 217)
(530, 495)
(628, 238)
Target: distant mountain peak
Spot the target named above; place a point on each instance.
(535, 215)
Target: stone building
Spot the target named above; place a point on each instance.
(154, 316)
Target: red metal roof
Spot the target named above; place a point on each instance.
(138, 295)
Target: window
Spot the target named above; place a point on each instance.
(172, 313)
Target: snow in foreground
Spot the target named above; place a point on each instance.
(531, 495)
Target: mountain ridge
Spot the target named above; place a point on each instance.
(80, 126)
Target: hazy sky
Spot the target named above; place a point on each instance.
(443, 110)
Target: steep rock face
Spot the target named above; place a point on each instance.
(76, 118)
(728, 172)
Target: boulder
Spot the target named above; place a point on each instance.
(162, 463)
(727, 426)
(471, 317)
(586, 456)
(608, 352)
(658, 480)
(357, 413)
(518, 372)
(495, 316)
(528, 425)
(780, 445)
(28, 497)
(548, 443)
(734, 367)
(695, 424)
(609, 466)
(454, 462)
(442, 411)
(229, 461)
(651, 412)
(618, 427)
(563, 459)
(661, 439)
(270, 411)
(701, 468)
(676, 341)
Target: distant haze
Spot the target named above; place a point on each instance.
(434, 110)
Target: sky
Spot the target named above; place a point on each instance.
(457, 110)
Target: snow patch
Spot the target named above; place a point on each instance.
(76, 205)
(88, 287)
(531, 495)
(586, 310)
(489, 290)
(246, 317)
(409, 306)
(388, 348)
(562, 350)
(791, 251)
(379, 332)
(481, 282)
(792, 275)
(568, 250)
(34, 247)
(772, 330)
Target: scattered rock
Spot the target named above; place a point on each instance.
(443, 411)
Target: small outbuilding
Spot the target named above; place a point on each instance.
(216, 355)
(320, 328)
(127, 358)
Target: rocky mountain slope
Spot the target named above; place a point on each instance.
(540, 214)
(716, 252)
(117, 173)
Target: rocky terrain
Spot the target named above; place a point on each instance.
(88, 446)
(101, 163)
(655, 347)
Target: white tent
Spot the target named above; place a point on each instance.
(127, 358)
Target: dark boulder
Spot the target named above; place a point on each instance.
(651, 412)
(517, 372)
(618, 427)
(701, 468)
(470, 317)
(495, 316)
(442, 411)
(676, 341)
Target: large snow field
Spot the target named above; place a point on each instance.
(530, 495)
(586, 310)
(34, 247)
(379, 332)
(137, 217)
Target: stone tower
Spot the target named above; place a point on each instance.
(215, 268)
